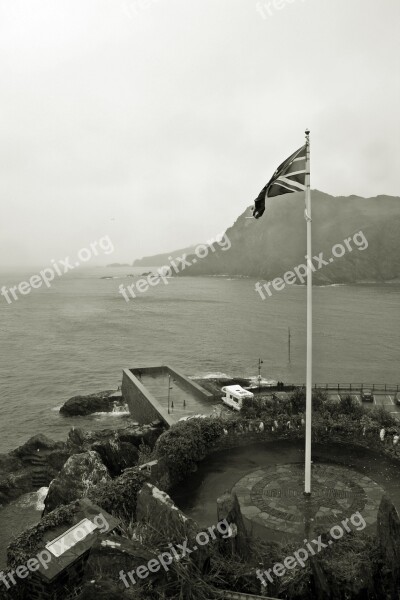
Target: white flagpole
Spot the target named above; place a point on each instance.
(307, 486)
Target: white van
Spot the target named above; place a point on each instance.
(234, 395)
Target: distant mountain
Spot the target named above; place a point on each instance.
(158, 260)
(276, 243)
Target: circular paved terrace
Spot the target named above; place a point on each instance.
(273, 497)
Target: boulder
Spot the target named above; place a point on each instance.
(116, 455)
(154, 505)
(136, 435)
(156, 508)
(13, 485)
(228, 509)
(56, 459)
(80, 473)
(35, 444)
(112, 553)
(31, 466)
(388, 531)
(10, 463)
(92, 403)
(79, 440)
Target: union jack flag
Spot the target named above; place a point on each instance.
(289, 177)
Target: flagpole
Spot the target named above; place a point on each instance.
(307, 480)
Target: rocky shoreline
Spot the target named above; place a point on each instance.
(40, 460)
(125, 474)
(107, 401)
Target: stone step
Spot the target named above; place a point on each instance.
(34, 458)
(43, 482)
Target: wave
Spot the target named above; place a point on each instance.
(118, 276)
(119, 410)
(33, 499)
(216, 375)
(254, 381)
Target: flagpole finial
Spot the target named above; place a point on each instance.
(307, 132)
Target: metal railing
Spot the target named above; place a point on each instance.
(375, 387)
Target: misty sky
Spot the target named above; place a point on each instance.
(157, 122)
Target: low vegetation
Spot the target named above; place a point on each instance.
(118, 496)
(30, 541)
(187, 443)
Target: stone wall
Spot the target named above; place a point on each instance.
(142, 405)
(189, 385)
(251, 434)
(389, 539)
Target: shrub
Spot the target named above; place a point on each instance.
(331, 408)
(146, 454)
(186, 443)
(253, 408)
(319, 399)
(298, 400)
(383, 418)
(118, 497)
(349, 406)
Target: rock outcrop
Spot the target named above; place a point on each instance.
(154, 505)
(113, 554)
(39, 460)
(116, 455)
(80, 473)
(156, 508)
(228, 509)
(31, 466)
(389, 538)
(79, 440)
(86, 405)
(14, 483)
(118, 448)
(37, 443)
